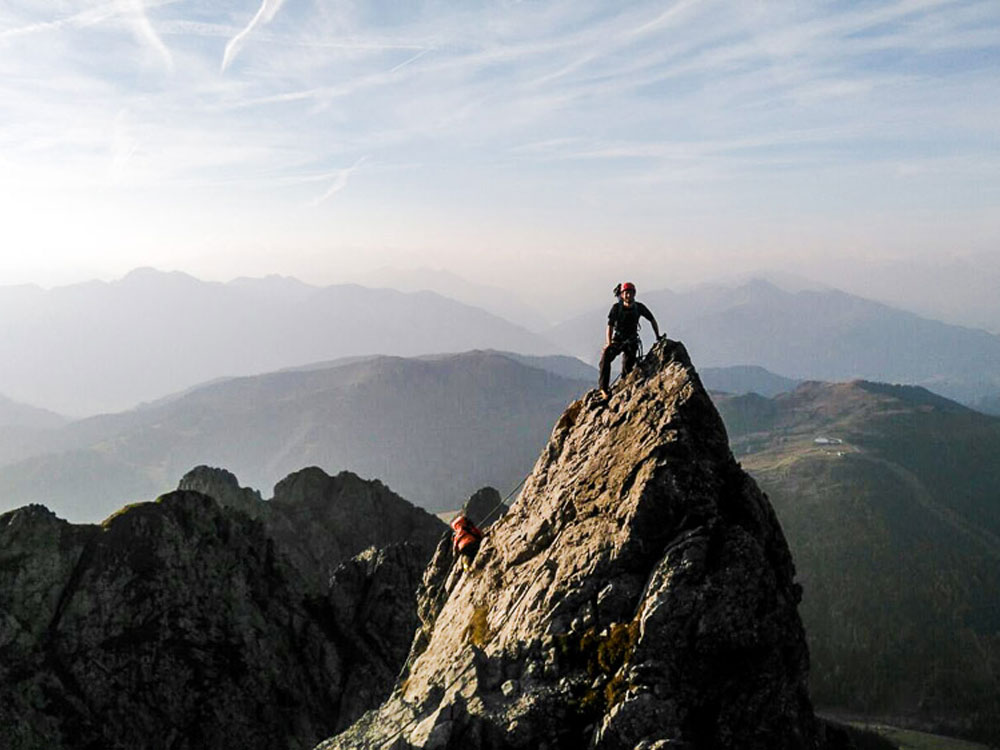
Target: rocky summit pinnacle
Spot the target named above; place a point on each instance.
(638, 595)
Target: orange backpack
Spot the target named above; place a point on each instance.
(466, 532)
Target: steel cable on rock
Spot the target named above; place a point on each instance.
(398, 733)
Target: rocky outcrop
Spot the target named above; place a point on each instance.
(639, 594)
(172, 625)
(345, 515)
(319, 521)
(362, 549)
(225, 488)
(373, 600)
(485, 507)
(198, 621)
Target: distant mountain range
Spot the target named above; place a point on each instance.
(99, 347)
(102, 347)
(810, 334)
(889, 498)
(741, 379)
(14, 414)
(434, 429)
(500, 302)
(988, 404)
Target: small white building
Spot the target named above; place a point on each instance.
(828, 441)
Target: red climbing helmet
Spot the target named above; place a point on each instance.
(628, 286)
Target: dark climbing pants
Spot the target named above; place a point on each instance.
(629, 349)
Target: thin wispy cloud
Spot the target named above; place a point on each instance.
(86, 17)
(265, 14)
(123, 148)
(511, 110)
(135, 11)
(409, 61)
(338, 182)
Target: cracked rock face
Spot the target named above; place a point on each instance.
(372, 597)
(639, 594)
(171, 625)
(318, 521)
(188, 624)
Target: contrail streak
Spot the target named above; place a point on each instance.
(266, 12)
(339, 181)
(135, 10)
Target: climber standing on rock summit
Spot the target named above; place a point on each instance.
(623, 333)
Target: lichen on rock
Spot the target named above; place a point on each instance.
(639, 593)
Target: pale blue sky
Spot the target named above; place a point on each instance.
(546, 143)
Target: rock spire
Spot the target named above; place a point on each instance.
(639, 595)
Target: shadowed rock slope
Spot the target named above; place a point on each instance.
(358, 544)
(639, 594)
(318, 521)
(174, 625)
(192, 623)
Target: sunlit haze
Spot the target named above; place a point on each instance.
(550, 145)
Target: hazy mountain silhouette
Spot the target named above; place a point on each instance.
(568, 367)
(22, 427)
(988, 404)
(434, 429)
(741, 379)
(14, 414)
(810, 334)
(99, 347)
(501, 302)
(888, 497)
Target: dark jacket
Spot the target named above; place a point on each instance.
(625, 320)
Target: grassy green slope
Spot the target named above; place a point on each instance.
(894, 533)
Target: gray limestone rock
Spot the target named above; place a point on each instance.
(171, 625)
(225, 487)
(187, 624)
(319, 521)
(485, 507)
(640, 593)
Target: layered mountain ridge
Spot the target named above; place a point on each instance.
(811, 334)
(99, 347)
(639, 591)
(434, 429)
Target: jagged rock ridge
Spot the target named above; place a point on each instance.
(189, 622)
(639, 594)
(318, 521)
(173, 625)
(362, 547)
